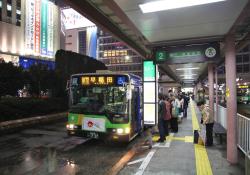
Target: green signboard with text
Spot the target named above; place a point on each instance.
(188, 54)
(148, 71)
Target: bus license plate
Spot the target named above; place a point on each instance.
(93, 135)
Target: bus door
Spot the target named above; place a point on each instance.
(135, 110)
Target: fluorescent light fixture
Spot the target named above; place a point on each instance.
(188, 78)
(172, 4)
(187, 75)
(188, 68)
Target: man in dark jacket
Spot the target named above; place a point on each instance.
(185, 104)
(161, 115)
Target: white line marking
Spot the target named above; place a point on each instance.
(145, 163)
(135, 161)
(164, 145)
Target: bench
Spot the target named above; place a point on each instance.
(219, 130)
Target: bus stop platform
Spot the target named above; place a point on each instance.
(178, 155)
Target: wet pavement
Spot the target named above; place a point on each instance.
(48, 150)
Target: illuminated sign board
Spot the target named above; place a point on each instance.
(149, 93)
(30, 27)
(44, 25)
(149, 87)
(71, 19)
(148, 71)
(209, 52)
(243, 86)
(39, 28)
(50, 29)
(104, 80)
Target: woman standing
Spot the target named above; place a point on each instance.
(168, 115)
(175, 114)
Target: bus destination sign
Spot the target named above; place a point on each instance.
(103, 80)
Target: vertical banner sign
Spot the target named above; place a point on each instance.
(91, 41)
(149, 93)
(37, 26)
(44, 23)
(30, 27)
(50, 29)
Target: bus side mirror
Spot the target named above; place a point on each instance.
(67, 85)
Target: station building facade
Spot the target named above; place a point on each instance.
(29, 29)
(84, 37)
(117, 56)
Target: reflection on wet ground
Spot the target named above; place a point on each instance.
(48, 150)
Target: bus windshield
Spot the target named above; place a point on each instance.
(99, 100)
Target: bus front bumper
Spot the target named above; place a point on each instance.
(112, 134)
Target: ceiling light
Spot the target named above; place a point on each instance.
(172, 4)
(188, 78)
(188, 68)
(188, 75)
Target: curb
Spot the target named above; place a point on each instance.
(21, 123)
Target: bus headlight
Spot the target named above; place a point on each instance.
(71, 126)
(119, 131)
(127, 130)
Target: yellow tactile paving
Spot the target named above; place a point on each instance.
(188, 139)
(203, 166)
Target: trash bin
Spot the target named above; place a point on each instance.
(196, 136)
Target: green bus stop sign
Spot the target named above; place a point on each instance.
(149, 71)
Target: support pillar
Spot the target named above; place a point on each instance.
(216, 95)
(230, 65)
(195, 92)
(211, 87)
(198, 88)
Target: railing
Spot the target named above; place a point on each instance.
(222, 115)
(243, 128)
(243, 125)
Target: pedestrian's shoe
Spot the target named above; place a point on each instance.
(160, 140)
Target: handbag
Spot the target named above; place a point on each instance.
(175, 112)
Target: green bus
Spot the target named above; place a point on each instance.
(105, 106)
(243, 94)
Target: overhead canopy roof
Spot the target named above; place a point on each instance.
(213, 19)
(143, 32)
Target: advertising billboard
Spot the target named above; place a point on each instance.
(44, 25)
(39, 28)
(71, 19)
(91, 41)
(30, 28)
(50, 29)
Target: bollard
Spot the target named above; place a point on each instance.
(247, 163)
